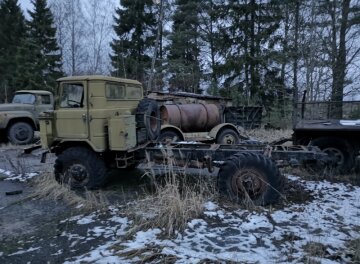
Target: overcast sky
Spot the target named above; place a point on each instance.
(25, 5)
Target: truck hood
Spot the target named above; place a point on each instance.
(16, 107)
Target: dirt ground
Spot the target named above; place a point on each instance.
(28, 222)
(44, 230)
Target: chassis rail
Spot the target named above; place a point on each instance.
(209, 155)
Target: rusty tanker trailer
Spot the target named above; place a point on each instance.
(193, 117)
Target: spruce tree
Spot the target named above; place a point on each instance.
(250, 29)
(184, 51)
(12, 33)
(135, 27)
(42, 59)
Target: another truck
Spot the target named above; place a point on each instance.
(20, 118)
(104, 122)
(334, 127)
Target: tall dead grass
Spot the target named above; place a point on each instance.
(354, 250)
(177, 198)
(47, 187)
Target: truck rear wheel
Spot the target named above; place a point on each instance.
(250, 178)
(80, 168)
(228, 136)
(20, 133)
(338, 150)
(148, 116)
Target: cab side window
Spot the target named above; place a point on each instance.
(44, 99)
(115, 91)
(133, 92)
(72, 95)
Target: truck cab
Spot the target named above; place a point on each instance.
(20, 118)
(99, 118)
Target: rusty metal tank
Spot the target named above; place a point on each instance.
(191, 117)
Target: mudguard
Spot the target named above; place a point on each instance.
(7, 116)
(239, 129)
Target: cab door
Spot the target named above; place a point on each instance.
(72, 112)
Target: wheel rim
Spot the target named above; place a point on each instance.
(77, 175)
(229, 139)
(248, 183)
(336, 155)
(22, 133)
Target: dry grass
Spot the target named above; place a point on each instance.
(148, 254)
(177, 199)
(354, 250)
(269, 135)
(16, 164)
(47, 186)
(311, 175)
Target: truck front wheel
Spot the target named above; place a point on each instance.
(250, 178)
(338, 150)
(80, 168)
(20, 133)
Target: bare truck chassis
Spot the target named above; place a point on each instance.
(103, 122)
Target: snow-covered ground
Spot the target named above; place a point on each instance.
(318, 229)
(266, 236)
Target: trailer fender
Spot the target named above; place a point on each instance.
(214, 132)
(171, 128)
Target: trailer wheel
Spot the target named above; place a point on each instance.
(148, 116)
(80, 168)
(20, 133)
(250, 178)
(228, 136)
(169, 135)
(339, 150)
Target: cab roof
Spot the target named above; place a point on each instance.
(34, 91)
(97, 78)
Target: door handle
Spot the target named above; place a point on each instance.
(84, 117)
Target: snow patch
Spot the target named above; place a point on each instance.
(24, 251)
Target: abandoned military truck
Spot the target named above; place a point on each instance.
(104, 122)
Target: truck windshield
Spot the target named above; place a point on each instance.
(23, 98)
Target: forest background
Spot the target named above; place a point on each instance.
(256, 52)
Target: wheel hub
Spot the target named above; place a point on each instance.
(336, 155)
(21, 133)
(248, 183)
(229, 139)
(78, 173)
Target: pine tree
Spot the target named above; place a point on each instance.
(12, 33)
(27, 73)
(135, 27)
(249, 33)
(184, 50)
(211, 25)
(39, 54)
